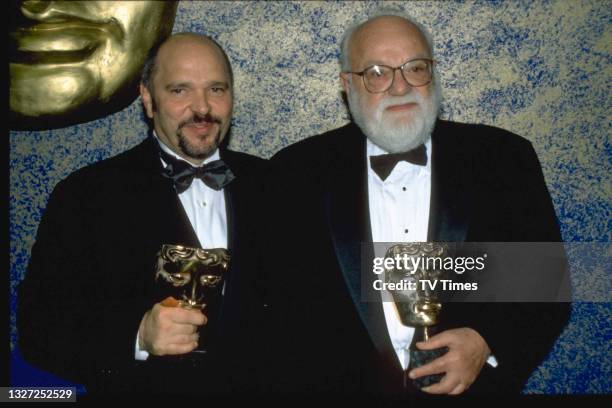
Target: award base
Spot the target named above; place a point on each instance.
(422, 357)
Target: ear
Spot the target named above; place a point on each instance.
(346, 81)
(147, 100)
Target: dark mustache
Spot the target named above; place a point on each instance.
(196, 118)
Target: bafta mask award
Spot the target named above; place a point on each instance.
(194, 277)
(418, 305)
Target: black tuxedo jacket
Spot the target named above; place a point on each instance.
(91, 276)
(487, 186)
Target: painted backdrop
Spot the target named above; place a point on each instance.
(538, 68)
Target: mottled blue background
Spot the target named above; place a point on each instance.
(538, 68)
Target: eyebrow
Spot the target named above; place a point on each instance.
(369, 63)
(178, 85)
(189, 84)
(220, 83)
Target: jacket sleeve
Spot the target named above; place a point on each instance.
(521, 334)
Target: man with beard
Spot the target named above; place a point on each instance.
(399, 174)
(89, 308)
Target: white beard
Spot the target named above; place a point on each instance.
(378, 126)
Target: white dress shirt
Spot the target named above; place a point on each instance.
(205, 208)
(399, 212)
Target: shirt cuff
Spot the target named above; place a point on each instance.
(139, 354)
(492, 361)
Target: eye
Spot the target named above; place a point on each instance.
(177, 91)
(376, 71)
(417, 67)
(219, 90)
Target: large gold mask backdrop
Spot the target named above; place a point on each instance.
(74, 61)
(538, 68)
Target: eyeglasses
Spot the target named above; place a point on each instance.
(379, 78)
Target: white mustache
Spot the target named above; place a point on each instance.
(399, 100)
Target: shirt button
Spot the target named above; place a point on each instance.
(403, 188)
(406, 231)
(203, 203)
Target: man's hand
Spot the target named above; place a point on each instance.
(467, 353)
(166, 329)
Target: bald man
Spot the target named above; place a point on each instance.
(90, 309)
(397, 173)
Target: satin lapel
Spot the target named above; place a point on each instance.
(347, 209)
(169, 220)
(225, 306)
(230, 198)
(450, 205)
(230, 216)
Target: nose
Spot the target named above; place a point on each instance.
(399, 86)
(200, 104)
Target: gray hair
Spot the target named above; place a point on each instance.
(348, 33)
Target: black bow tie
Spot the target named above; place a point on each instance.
(215, 174)
(384, 164)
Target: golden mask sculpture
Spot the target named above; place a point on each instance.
(75, 61)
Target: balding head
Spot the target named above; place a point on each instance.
(385, 22)
(176, 41)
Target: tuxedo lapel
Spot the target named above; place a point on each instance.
(348, 216)
(162, 206)
(232, 198)
(230, 206)
(347, 210)
(450, 205)
(183, 229)
(228, 307)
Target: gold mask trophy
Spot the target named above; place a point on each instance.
(419, 308)
(192, 276)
